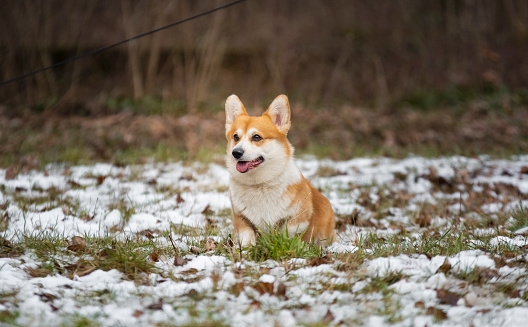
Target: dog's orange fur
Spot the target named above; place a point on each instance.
(315, 209)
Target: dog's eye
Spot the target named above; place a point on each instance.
(256, 138)
(236, 138)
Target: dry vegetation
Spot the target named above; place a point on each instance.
(337, 132)
(317, 52)
(376, 77)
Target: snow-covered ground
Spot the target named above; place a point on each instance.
(483, 284)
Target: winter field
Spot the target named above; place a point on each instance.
(421, 242)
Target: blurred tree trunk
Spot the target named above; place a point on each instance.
(130, 21)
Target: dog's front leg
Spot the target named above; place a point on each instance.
(244, 230)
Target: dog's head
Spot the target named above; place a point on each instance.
(257, 147)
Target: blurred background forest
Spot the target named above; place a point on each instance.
(374, 77)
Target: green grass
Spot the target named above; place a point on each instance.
(130, 256)
(80, 321)
(9, 317)
(277, 244)
(206, 323)
(44, 244)
(520, 218)
(431, 243)
(9, 249)
(4, 221)
(382, 283)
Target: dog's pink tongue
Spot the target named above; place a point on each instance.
(243, 166)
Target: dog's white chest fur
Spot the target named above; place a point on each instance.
(263, 206)
(266, 204)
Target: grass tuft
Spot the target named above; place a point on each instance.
(520, 217)
(382, 283)
(278, 245)
(8, 317)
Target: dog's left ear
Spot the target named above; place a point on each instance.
(279, 112)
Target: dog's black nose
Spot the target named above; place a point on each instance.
(237, 153)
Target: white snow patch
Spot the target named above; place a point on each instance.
(519, 241)
(267, 278)
(206, 262)
(342, 248)
(468, 260)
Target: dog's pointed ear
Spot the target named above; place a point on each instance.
(279, 112)
(233, 109)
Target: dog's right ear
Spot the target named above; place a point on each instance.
(233, 109)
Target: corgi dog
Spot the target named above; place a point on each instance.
(267, 189)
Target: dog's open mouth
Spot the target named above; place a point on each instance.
(245, 166)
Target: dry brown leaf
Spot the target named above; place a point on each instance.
(138, 313)
(76, 244)
(103, 253)
(187, 177)
(152, 181)
(47, 297)
(281, 290)
(238, 272)
(11, 173)
(255, 304)
(193, 294)
(238, 288)
(179, 200)
(438, 314)
(211, 222)
(100, 179)
(73, 184)
(37, 272)
(156, 306)
(147, 233)
(263, 288)
(207, 211)
(327, 259)
(210, 245)
(329, 317)
(486, 273)
(191, 271)
(510, 255)
(4, 242)
(86, 218)
(80, 269)
(216, 277)
(228, 244)
(179, 261)
(154, 256)
(65, 209)
(419, 305)
(265, 270)
(424, 219)
(447, 297)
(445, 267)
(483, 310)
